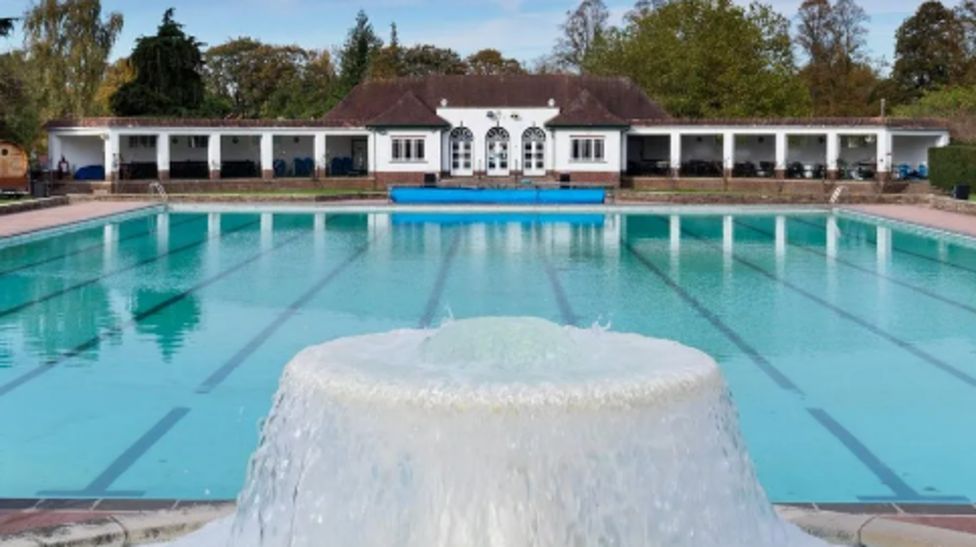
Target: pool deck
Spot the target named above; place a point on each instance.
(923, 216)
(17, 224)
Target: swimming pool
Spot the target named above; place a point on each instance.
(137, 358)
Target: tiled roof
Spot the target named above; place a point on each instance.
(895, 123)
(586, 111)
(182, 122)
(408, 111)
(619, 97)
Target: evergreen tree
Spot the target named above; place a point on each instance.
(930, 51)
(357, 53)
(168, 74)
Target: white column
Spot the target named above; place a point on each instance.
(111, 156)
(214, 155)
(675, 152)
(782, 145)
(884, 150)
(728, 152)
(53, 151)
(267, 156)
(318, 152)
(162, 156)
(833, 150)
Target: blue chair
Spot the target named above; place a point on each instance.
(280, 168)
(923, 171)
(904, 171)
(90, 172)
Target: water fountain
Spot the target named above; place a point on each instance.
(501, 432)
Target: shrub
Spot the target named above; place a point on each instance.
(952, 165)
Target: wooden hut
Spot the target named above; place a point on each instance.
(14, 168)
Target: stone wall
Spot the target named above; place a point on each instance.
(770, 186)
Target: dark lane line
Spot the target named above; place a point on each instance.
(130, 267)
(894, 248)
(757, 358)
(903, 344)
(562, 300)
(101, 484)
(440, 282)
(905, 284)
(95, 246)
(92, 342)
(225, 370)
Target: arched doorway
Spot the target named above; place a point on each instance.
(496, 158)
(461, 140)
(534, 152)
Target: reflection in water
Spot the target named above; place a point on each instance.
(170, 325)
(162, 232)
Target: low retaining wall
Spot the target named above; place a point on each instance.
(953, 205)
(248, 185)
(773, 186)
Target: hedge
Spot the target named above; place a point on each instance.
(952, 165)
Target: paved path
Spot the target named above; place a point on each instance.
(31, 221)
(932, 218)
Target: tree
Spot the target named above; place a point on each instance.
(357, 53)
(67, 44)
(838, 75)
(583, 29)
(19, 118)
(491, 61)
(246, 78)
(955, 104)
(6, 26)
(116, 75)
(930, 51)
(426, 60)
(388, 61)
(168, 74)
(706, 58)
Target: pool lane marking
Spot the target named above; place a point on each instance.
(905, 284)
(236, 360)
(953, 371)
(100, 485)
(136, 265)
(901, 489)
(100, 245)
(562, 300)
(757, 358)
(893, 247)
(437, 291)
(137, 317)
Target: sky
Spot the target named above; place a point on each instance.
(524, 29)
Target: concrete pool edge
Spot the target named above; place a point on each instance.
(79, 224)
(857, 525)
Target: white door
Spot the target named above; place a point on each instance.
(460, 143)
(534, 152)
(497, 158)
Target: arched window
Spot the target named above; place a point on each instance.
(496, 142)
(534, 151)
(460, 141)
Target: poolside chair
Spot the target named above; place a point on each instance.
(279, 167)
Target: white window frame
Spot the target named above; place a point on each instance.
(583, 149)
(408, 149)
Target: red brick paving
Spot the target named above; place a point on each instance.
(15, 522)
(30, 221)
(932, 218)
(965, 524)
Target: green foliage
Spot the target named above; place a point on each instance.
(706, 58)
(957, 105)
(582, 32)
(6, 26)
(250, 79)
(930, 51)
(491, 61)
(952, 165)
(67, 45)
(19, 119)
(356, 54)
(168, 81)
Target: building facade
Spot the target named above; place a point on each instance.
(488, 130)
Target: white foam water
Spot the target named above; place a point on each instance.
(501, 432)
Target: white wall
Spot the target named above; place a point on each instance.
(748, 148)
(806, 149)
(862, 151)
(139, 154)
(285, 147)
(247, 148)
(514, 120)
(82, 150)
(432, 151)
(562, 145)
(912, 149)
(650, 147)
(180, 150)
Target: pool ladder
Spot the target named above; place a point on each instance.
(836, 194)
(156, 187)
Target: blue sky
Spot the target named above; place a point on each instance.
(524, 29)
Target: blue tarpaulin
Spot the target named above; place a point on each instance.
(533, 196)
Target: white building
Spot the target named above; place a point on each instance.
(491, 129)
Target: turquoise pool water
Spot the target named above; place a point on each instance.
(137, 359)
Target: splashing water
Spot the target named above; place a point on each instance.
(501, 432)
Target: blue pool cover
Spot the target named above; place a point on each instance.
(574, 196)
